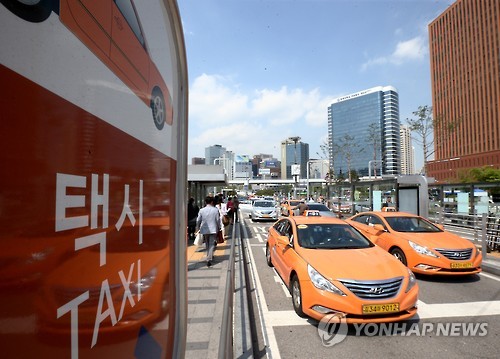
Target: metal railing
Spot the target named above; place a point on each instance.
(477, 228)
(226, 336)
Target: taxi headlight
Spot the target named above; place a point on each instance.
(321, 282)
(144, 283)
(411, 281)
(422, 250)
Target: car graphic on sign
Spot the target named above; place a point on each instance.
(132, 290)
(111, 29)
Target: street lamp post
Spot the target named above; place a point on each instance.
(295, 139)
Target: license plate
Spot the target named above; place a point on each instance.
(461, 265)
(265, 216)
(380, 308)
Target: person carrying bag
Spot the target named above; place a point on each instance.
(208, 222)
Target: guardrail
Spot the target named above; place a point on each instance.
(226, 337)
(236, 332)
(478, 228)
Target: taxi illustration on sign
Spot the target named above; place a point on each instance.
(112, 31)
(132, 290)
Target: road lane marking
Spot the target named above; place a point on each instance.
(278, 280)
(490, 276)
(283, 318)
(260, 230)
(451, 310)
(267, 330)
(259, 237)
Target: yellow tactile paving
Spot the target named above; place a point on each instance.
(194, 254)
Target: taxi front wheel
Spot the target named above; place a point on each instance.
(399, 254)
(296, 296)
(268, 257)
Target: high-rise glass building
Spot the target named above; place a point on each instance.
(464, 46)
(294, 152)
(371, 118)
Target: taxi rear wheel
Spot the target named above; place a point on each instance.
(399, 254)
(31, 10)
(296, 296)
(268, 257)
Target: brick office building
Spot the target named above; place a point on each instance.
(464, 44)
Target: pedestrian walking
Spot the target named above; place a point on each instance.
(230, 210)
(236, 207)
(208, 222)
(221, 206)
(192, 210)
(302, 207)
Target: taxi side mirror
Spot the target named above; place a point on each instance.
(440, 226)
(379, 228)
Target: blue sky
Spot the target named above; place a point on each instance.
(264, 70)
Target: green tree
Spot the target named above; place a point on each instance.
(349, 147)
(373, 139)
(326, 151)
(424, 125)
(265, 192)
(353, 174)
(483, 174)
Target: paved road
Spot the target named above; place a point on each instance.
(447, 305)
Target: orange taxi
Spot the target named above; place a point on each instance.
(331, 268)
(419, 244)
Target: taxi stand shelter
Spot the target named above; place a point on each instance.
(202, 178)
(409, 193)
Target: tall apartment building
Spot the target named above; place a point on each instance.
(294, 152)
(464, 44)
(373, 111)
(407, 152)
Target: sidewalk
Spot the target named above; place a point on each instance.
(205, 300)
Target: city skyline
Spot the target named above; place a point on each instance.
(249, 93)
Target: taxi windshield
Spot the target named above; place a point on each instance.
(411, 224)
(263, 204)
(331, 236)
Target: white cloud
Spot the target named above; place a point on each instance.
(410, 50)
(219, 113)
(413, 49)
(213, 103)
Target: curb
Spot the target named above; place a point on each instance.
(491, 266)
